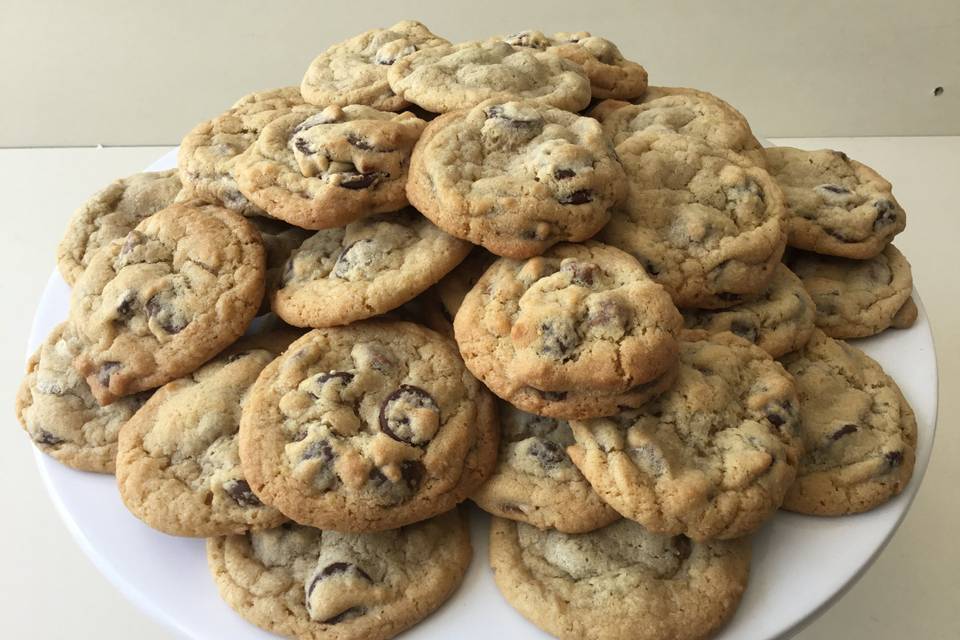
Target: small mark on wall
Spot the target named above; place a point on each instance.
(938, 91)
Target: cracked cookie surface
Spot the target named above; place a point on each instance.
(779, 321)
(611, 75)
(835, 205)
(859, 432)
(451, 77)
(304, 583)
(355, 71)
(858, 298)
(515, 177)
(59, 413)
(581, 320)
(207, 154)
(173, 293)
(704, 222)
(178, 463)
(620, 582)
(111, 213)
(712, 457)
(322, 168)
(369, 267)
(367, 427)
(536, 482)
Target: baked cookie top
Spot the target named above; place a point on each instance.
(321, 168)
(178, 464)
(859, 432)
(173, 293)
(536, 482)
(301, 582)
(611, 75)
(619, 582)
(515, 176)
(367, 427)
(61, 416)
(451, 77)
(705, 223)
(207, 154)
(712, 457)
(110, 214)
(835, 205)
(355, 71)
(371, 266)
(779, 321)
(690, 112)
(857, 298)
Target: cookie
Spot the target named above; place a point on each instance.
(779, 321)
(705, 223)
(279, 241)
(111, 213)
(515, 177)
(611, 75)
(857, 298)
(454, 287)
(178, 464)
(621, 582)
(710, 458)
(371, 266)
(323, 168)
(355, 71)
(575, 332)
(304, 583)
(55, 407)
(173, 293)
(367, 427)
(835, 205)
(536, 482)
(207, 154)
(859, 432)
(690, 112)
(451, 77)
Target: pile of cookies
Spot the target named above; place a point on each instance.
(506, 271)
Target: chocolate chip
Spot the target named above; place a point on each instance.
(546, 452)
(126, 304)
(303, 147)
(563, 174)
(359, 180)
(845, 430)
(167, 318)
(582, 273)
(894, 458)
(352, 612)
(580, 196)
(886, 213)
(744, 330)
(834, 188)
(780, 413)
(557, 338)
(233, 357)
(321, 379)
(359, 142)
(682, 547)
(398, 411)
(842, 156)
(133, 240)
(241, 493)
(47, 438)
(496, 112)
(412, 472)
(106, 370)
(511, 508)
(552, 396)
(337, 568)
(320, 450)
(350, 255)
(605, 314)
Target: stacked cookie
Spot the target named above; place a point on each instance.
(505, 270)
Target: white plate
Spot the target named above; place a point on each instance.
(801, 564)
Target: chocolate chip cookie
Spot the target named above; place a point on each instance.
(621, 582)
(178, 465)
(858, 298)
(835, 205)
(859, 432)
(355, 71)
(173, 293)
(323, 168)
(304, 583)
(515, 177)
(451, 77)
(704, 222)
(611, 75)
(207, 154)
(454, 287)
(536, 482)
(111, 213)
(690, 112)
(367, 427)
(575, 332)
(279, 241)
(61, 416)
(712, 457)
(779, 321)
(371, 266)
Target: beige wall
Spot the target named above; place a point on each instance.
(121, 72)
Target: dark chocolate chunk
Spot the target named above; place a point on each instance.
(845, 430)
(241, 493)
(547, 453)
(395, 421)
(580, 196)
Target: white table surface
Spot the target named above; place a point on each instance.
(48, 589)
